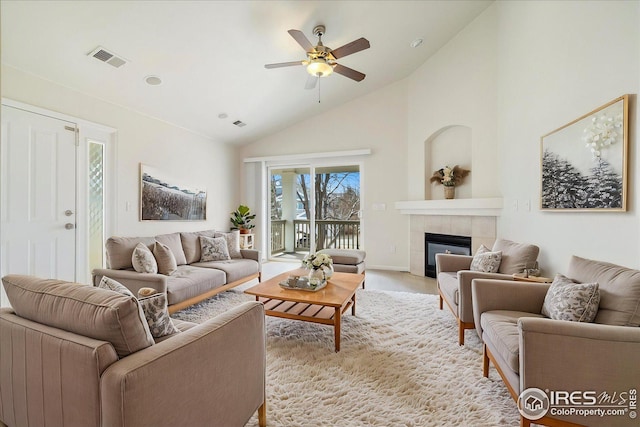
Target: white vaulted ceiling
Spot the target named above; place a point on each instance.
(210, 55)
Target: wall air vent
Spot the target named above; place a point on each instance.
(109, 57)
(239, 123)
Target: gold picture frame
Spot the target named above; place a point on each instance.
(584, 163)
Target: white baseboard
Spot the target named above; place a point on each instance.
(386, 267)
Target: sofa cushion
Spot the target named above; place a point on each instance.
(234, 269)
(233, 242)
(191, 244)
(189, 282)
(85, 310)
(213, 249)
(157, 314)
(515, 256)
(120, 250)
(619, 290)
(449, 284)
(143, 260)
(112, 285)
(167, 263)
(501, 328)
(345, 256)
(174, 242)
(568, 300)
(486, 261)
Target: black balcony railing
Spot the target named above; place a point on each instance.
(329, 234)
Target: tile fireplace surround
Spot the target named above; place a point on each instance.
(461, 217)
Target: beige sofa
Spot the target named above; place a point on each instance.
(77, 355)
(454, 277)
(532, 351)
(193, 281)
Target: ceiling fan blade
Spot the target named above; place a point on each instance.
(349, 72)
(301, 39)
(311, 82)
(349, 48)
(283, 64)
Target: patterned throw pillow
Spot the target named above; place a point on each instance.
(213, 249)
(568, 300)
(143, 260)
(112, 285)
(167, 264)
(157, 315)
(486, 261)
(233, 242)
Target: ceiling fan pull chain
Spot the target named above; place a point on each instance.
(318, 89)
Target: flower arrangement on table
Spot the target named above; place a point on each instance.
(316, 261)
(450, 176)
(320, 267)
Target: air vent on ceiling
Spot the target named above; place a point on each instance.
(239, 123)
(109, 57)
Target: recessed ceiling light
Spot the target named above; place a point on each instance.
(223, 115)
(417, 42)
(153, 80)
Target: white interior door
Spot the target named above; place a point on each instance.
(38, 195)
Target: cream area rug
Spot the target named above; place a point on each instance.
(399, 365)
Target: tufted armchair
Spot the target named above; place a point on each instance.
(454, 277)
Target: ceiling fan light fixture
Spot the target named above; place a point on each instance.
(319, 67)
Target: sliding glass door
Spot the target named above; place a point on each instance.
(313, 207)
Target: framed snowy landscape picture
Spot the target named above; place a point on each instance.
(584, 163)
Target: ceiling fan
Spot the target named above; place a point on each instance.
(321, 60)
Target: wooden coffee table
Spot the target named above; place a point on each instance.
(325, 306)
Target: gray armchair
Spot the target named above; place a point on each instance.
(532, 351)
(75, 355)
(454, 277)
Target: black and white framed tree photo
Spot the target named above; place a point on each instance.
(584, 163)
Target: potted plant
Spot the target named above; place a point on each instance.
(241, 219)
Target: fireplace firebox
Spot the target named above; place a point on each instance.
(443, 243)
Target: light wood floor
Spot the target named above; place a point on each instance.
(386, 280)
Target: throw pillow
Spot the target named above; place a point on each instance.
(213, 249)
(143, 260)
(157, 315)
(167, 264)
(486, 261)
(112, 285)
(233, 242)
(568, 300)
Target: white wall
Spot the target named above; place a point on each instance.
(376, 121)
(457, 86)
(142, 139)
(558, 61)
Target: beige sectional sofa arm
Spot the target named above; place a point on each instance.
(253, 254)
(602, 357)
(132, 279)
(489, 295)
(451, 262)
(211, 374)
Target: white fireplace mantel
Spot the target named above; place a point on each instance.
(467, 207)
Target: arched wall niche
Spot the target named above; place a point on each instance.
(448, 146)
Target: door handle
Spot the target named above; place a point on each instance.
(68, 212)
(69, 226)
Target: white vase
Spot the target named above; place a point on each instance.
(316, 277)
(328, 271)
